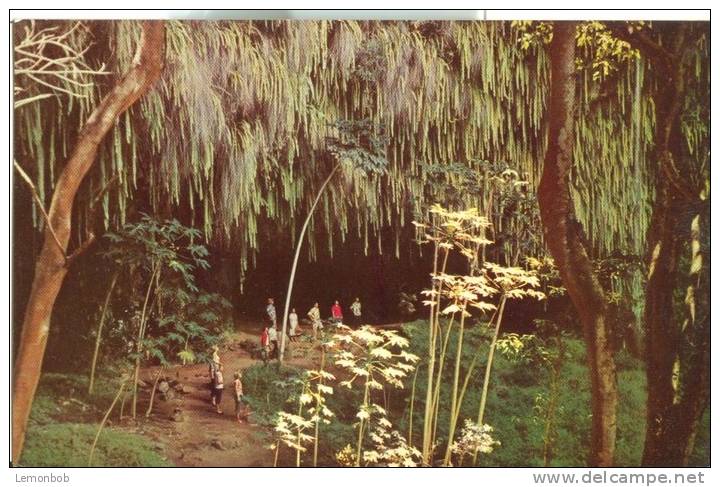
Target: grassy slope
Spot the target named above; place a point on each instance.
(515, 407)
(64, 421)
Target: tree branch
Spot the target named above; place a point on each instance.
(80, 249)
(39, 202)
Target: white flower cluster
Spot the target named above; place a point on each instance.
(391, 448)
(474, 438)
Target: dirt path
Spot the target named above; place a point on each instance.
(204, 438)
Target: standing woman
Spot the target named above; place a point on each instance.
(293, 321)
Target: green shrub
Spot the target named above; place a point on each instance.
(266, 389)
(700, 457)
(68, 445)
(64, 397)
(517, 397)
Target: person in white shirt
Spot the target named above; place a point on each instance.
(293, 321)
(314, 315)
(218, 388)
(356, 309)
(270, 312)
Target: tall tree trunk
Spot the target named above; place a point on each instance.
(51, 265)
(677, 354)
(565, 241)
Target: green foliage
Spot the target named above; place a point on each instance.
(268, 388)
(700, 457)
(195, 321)
(67, 445)
(600, 51)
(247, 134)
(361, 143)
(498, 191)
(62, 396)
(150, 244)
(163, 256)
(370, 62)
(63, 424)
(519, 394)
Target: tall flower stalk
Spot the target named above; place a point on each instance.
(486, 288)
(375, 358)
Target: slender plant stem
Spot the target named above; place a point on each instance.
(412, 407)
(430, 424)
(317, 409)
(104, 420)
(122, 406)
(470, 371)
(98, 338)
(428, 418)
(438, 377)
(299, 432)
(361, 430)
(277, 451)
(454, 405)
(152, 394)
(141, 334)
(39, 203)
(488, 367)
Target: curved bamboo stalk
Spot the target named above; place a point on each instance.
(298, 247)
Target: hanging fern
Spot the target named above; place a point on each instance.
(239, 128)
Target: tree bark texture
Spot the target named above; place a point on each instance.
(565, 240)
(51, 265)
(677, 353)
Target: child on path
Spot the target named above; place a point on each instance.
(239, 398)
(218, 388)
(212, 368)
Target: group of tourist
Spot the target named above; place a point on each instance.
(269, 341)
(269, 344)
(217, 387)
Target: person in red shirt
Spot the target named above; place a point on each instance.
(337, 312)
